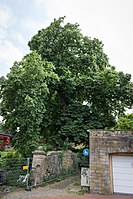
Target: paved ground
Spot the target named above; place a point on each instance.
(62, 190)
(87, 196)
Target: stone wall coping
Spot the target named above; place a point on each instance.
(39, 152)
(120, 137)
(52, 153)
(111, 134)
(103, 130)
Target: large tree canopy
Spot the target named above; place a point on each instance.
(63, 88)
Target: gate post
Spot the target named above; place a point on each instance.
(27, 179)
(37, 167)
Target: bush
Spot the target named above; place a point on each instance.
(83, 160)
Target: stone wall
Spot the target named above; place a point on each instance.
(50, 164)
(103, 144)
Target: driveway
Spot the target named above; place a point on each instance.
(87, 196)
(67, 189)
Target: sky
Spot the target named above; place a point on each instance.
(111, 21)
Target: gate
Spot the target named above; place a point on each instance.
(28, 172)
(15, 171)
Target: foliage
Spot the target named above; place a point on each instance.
(1, 127)
(23, 100)
(46, 147)
(83, 160)
(11, 154)
(45, 94)
(125, 122)
(84, 76)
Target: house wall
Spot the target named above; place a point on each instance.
(103, 144)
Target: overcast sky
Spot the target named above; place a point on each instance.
(108, 20)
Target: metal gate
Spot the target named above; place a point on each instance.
(15, 171)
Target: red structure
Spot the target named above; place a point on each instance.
(4, 140)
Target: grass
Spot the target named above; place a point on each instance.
(77, 183)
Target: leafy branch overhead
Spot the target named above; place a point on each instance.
(125, 122)
(64, 87)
